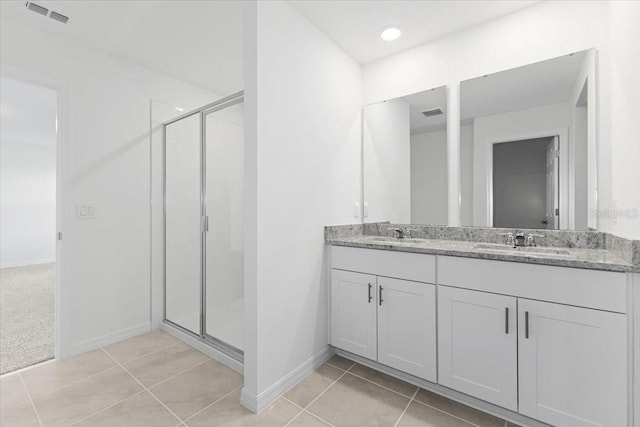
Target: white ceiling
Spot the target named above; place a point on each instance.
(534, 85)
(27, 113)
(201, 41)
(355, 25)
(197, 41)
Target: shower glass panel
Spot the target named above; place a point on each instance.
(224, 244)
(183, 249)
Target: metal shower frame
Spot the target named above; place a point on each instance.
(202, 112)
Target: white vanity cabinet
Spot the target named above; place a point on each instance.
(549, 343)
(478, 345)
(565, 363)
(354, 313)
(572, 364)
(390, 320)
(407, 326)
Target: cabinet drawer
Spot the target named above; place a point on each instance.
(602, 290)
(401, 265)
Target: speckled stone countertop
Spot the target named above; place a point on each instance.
(577, 249)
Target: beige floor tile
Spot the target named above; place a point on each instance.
(355, 402)
(12, 392)
(314, 384)
(19, 416)
(307, 420)
(46, 378)
(193, 390)
(419, 415)
(141, 410)
(152, 369)
(82, 399)
(340, 362)
(141, 345)
(384, 380)
(230, 413)
(458, 409)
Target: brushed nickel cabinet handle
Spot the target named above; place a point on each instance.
(380, 296)
(526, 324)
(370, 297)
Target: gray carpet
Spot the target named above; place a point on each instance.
(27, 299)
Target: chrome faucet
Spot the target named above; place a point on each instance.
(531, 239)
(397, 232)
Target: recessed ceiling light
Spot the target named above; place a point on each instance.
(390, 33)
(180, 109)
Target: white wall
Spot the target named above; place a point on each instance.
(429, 178)
(522, 124)
(386, 151)
(543, 31)
(466, 175)
(620, 121)
(104, 124)
(303, 138)
(583, 145)
(27, 203)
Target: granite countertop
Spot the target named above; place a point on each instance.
(576, 257)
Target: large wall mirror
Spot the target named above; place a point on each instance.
(530, 132)
(405, 159)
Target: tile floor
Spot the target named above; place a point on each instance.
(156, 380)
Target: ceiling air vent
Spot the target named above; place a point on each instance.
(432, 112)
(59, 17)
(45, 12)
(37, 8)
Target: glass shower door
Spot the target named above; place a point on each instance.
(224, 249)
(183, 221)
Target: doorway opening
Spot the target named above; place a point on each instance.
(28, 227)
(526, 184)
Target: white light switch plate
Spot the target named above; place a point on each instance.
(86, 211)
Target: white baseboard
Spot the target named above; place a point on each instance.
(216, 355)
(28, 263)
(106, 339)
(257, 403)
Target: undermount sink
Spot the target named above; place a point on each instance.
(527, 249)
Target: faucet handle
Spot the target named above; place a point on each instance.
(408, 231)
(510, 238)
(531, 239)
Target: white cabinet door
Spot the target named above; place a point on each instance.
(477, 345)
(572, 364)
(353, 313)
(407, 326)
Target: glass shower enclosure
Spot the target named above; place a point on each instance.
(203, 224)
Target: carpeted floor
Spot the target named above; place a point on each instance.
(27, 299)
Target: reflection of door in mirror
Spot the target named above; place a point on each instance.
(547, 98)
(525, 183)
